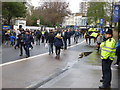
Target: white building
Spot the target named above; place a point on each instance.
(19, 23)
(74, 20)
(84, 8)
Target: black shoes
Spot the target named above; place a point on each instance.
(27, 56)
(103, 87)
(15, 47)
(101, 80)
(20, 54)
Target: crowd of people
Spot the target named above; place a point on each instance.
(61, 39)
(24, 39)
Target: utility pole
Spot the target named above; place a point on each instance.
(111, 14)
(118, 28)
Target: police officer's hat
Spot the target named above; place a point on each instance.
(109, 31)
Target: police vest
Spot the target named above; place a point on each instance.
(108, 49)
(92, 29)
(43, 32)
(94, 34)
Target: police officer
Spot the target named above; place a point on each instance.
(107, 55)
(91, 30)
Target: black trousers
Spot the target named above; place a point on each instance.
(69, 40)
(57, 50)
(65, 43)
(118, 60)
(118, 55)
(106, 70)
(43, 39)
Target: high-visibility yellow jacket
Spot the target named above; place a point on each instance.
(92, 29)
(108, 49)
(94, 34)
(43, 32)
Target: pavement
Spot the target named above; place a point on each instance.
(45, 71)
(85, 73)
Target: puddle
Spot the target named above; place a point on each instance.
(84, 54)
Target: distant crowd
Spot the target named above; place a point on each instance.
(24, 39)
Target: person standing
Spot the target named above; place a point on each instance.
(99, 40)
(107, 55)
(117, 53)
(58, 44)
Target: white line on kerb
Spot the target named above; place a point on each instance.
(24, 59)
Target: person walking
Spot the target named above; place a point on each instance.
(12, 39)
(50, 40)
(27, 41)
(31, 39)
(69, 34)
(38, 37)
(43, 36)
(58, 44)
(18, 41)
(21, 38)
(65, 36)
(107, 55)
(6, 39)
(77, 33)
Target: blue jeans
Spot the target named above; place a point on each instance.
(6, 42)
(27, 49)
(50, 48)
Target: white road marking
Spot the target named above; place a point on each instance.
(24, 59)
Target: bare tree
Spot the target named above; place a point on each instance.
(52, 13)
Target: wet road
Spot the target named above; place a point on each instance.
(11, 54)
(38, 71)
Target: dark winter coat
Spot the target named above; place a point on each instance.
(50, 38)
(58, 42)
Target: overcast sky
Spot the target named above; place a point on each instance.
(73, 4)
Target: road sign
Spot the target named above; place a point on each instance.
(6, 27)
(38, 21)
(101, 21)
(116, 13)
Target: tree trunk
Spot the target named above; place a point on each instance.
(9, 19)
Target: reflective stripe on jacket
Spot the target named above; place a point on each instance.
(92, 29)
(108, 49)
(94, 34)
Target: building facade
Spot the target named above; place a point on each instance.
(74, 20)
(84, 7)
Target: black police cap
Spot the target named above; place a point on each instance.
(109, 31)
